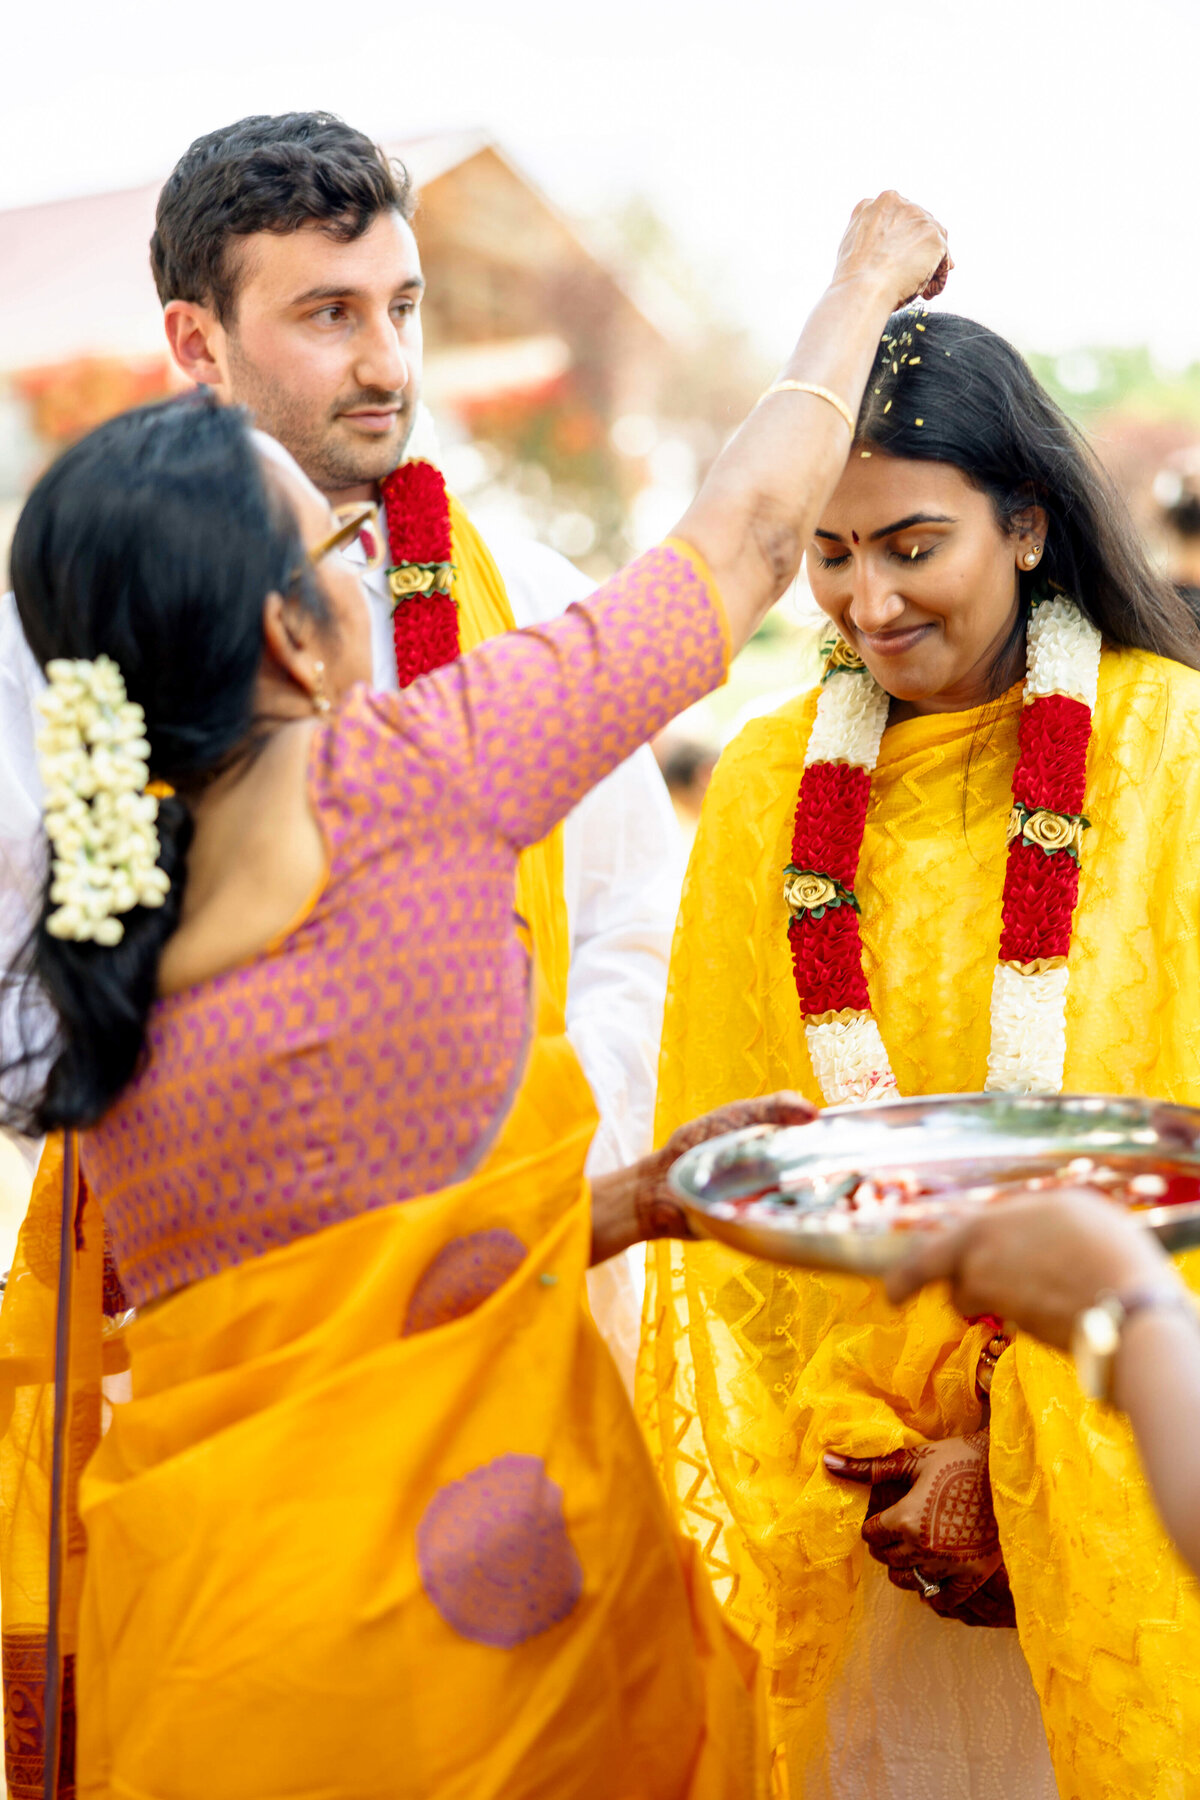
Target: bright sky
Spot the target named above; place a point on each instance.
(1057, 139)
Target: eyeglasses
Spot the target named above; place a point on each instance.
(345, 534)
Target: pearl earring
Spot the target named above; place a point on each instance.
(1031, 556)
(320, 698)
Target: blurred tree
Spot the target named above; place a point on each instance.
(69, 398)
(610, 450)
(1099, 380)
(1136, 414)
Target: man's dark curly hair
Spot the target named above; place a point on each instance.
(265, 174)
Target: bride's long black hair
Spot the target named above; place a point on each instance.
(946, 389)
(154, 540)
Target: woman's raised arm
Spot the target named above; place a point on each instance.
(535, 719)
(759, 504)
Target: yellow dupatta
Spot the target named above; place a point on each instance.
(484, 612)
(749, 1371)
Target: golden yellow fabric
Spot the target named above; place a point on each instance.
(257, 1621)
(749, 1372)
(26, 1398)
(484, 612)
(27, 1341)
(28, 1314)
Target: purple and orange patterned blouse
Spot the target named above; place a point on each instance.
(371, 1054)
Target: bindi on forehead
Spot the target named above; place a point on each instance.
(855, 537)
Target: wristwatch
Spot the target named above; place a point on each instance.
(1096, 1333)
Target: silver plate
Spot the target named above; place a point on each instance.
(969, 1140)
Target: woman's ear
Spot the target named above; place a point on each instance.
(1029, 526)
(290, 643)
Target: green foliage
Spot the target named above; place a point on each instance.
(1102, 379)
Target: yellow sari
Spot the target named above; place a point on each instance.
(342, 1540)
(32, 1665)
(749, 1372)
(336, 1547)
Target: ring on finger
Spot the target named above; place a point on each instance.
(929, 1589)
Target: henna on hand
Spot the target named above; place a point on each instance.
(958, 1523)
(931, 1510)
(991, 1604)
(636, 1203)
(658, 1212)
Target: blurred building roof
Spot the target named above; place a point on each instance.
(77, 282)
(77, 279)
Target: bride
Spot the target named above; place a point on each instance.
(966, 860)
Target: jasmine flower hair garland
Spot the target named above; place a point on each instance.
(100, 820)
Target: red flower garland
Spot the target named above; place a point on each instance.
(831, 815)
(827, 962)
(1041, 885)
(424, 624)
(1040, 891)
(1052, 744)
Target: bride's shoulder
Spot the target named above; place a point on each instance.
(764, 760)
(780, 728)
(1139, 688)
(1146, 726)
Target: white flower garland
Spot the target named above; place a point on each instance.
(1062, 653)
(1028, 1011)
(851, 715)
(1029, 1032)
(99, 818)
(850, 1061)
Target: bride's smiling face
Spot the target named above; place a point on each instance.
(911, 563)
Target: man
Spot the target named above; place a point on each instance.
(291, 283)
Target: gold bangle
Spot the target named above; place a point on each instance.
(822, 393)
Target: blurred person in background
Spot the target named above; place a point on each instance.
(687, 767)
(1177, 493)
(965, 860)
(1082, 1275)
(372, 1514)
(291, 282)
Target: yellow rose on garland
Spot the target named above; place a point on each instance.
(839, 655)
(811, 895)
(1048, 831)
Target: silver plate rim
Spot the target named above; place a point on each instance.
(1165, 1131)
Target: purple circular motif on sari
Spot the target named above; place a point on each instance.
(494, 1554)
(460, 1278)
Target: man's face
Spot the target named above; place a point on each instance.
(325, 348)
